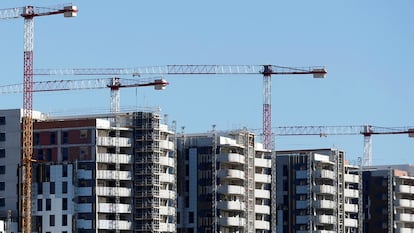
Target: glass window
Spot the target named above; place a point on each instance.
(2, 152)
(64, 187)
(39, 204)
(64, 204)
(2, 169)
(52, 187)
(2, 137)
(36, 138)
(65, 154)
(48, 204)
(2, 120)
(65, 136)
(2, 186)
(52, 138)
(51, 220)
(65, 170)
(64, 220)
(40, 188)
(2, 202)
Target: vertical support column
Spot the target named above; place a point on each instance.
(27, 125)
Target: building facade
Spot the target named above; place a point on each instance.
(224, 183)
(90, 174)
(316, 191)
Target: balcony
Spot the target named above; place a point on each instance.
(404, 189)
(405, 203)
(112, 141)
(113, 175)
(325, 189)
(324, 204)
(403, 217)
(260, 193)
(167, 178)
(167, 161)
(325, 174)
(231, 205)
(232, 221)
(166, 145)
(113, 224)
(353, 193)
(349, 222)
(167, 210)
(404, 230)
(113, 191)
(352, 208)
(262, 178)
(266, 163)
(84, 191)
(114, 208)
(166, 227)
(325, 219)
(113, 158)
(351, 178)
(84, 208)
(167, 194)
(84, 174)
(231, 158)
(231, 189)
(262, 225)
(230, 174)
(262, 209)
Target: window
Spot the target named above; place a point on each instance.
(40, 188)
(64, 187)
(2, 152)
(52, 188)
(191, 217)
(64, 220)
(51, 220)
(2, 120)
(2, 186)
(65, 170)
(64, 204)
(2, 137)
(65, 136)
(52, 138)
(36, 138)
(48, 154)
(2, 202)
(83, 133)
(39, 204)
(48, 204)
(2, 169)
(65, 154)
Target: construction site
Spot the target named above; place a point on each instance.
(131, 169)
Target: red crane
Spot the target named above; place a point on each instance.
(266, 70)
(29, 13)
(366, 130)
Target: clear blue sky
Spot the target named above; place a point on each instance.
(367, 47)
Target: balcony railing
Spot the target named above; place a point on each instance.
(231, 158)
(114, 208)
(114, 224)
(113, 191)
(231, 189)
(231, 205)
(113, 175)
(114, 158)
(113, 141)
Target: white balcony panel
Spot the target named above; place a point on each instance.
(113, 158)
(302, 219)
(262, 225)
(113, 224)
(351, 178)
(260, 193)
(113, 175)
(84, 208)
(262, 209)
(113, 191)
(114, 208)
(167, 178)
(167, 210)
(113, 141)
(262, 178)
(302, 174)
(302, 204)
(325, 219)
(232, 221)
(167, 194)
(302, 189)
(166, 145)
(406, 203)
(326, 174)
(404, 230)
(324, 204)
(403, 217)
(353, 193)
(231, 189)
(84, 191)
(84, 224)
(351, 222)
(167, 161)
(231, 158)
(167, 227)
(231, 205)
(84, 174)
(353, 208)
(230, 174)
(266, 163)
(325, 189)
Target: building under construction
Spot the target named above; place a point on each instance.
(317, 191)
(95, 173)
(224, 183)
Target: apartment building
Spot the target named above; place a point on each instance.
(389, 198)
(102, 173)
(224, 183)
(316, 191)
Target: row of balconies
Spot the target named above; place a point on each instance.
(240, 159)
(325, 204)
(240, 190)
(326, 220)
(326, 174)
(238, 174)
(114, 158)
(114, 141)
(241, 222)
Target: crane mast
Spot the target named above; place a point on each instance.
(266, 70)
(28, 13)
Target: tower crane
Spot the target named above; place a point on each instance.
(266, 70)
(114, 84)
(366, 130)
(29, 13)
